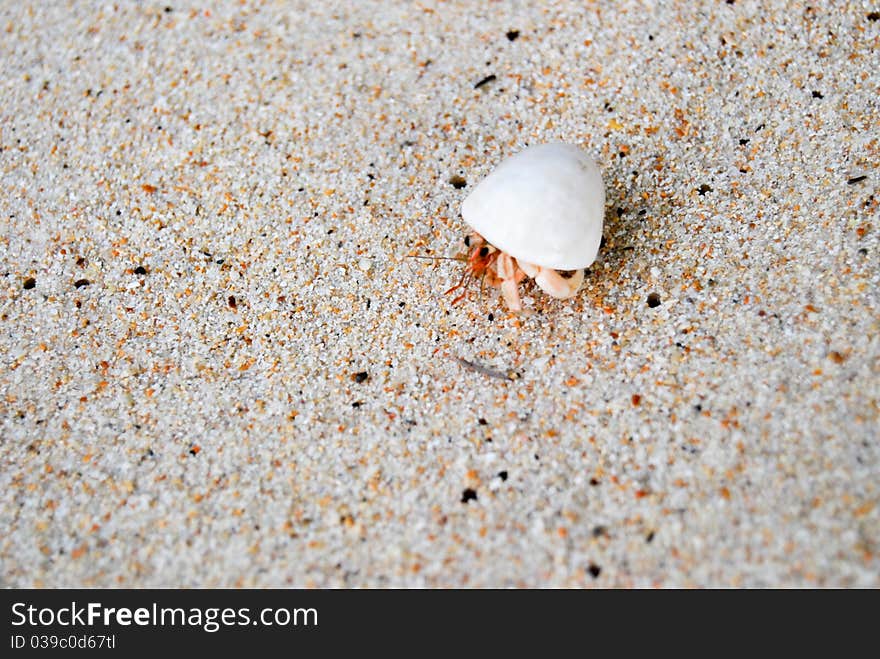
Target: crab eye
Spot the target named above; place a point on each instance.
(484, 252)
(467, 241)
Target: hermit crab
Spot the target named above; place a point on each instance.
(538, 214)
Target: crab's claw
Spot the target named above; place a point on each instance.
(551, 282)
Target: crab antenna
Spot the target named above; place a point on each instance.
(436, 258)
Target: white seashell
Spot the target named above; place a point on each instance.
(544, 206)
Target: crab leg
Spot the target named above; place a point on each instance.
(551, 282)
(510, 275)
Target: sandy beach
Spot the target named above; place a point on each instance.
(220, 366)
